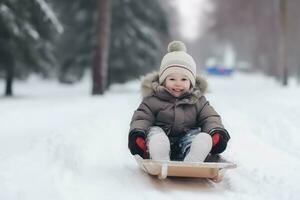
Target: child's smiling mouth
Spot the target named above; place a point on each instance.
(177, 90)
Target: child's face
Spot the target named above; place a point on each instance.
(177, 84)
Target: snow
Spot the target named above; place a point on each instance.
(3, 9)
(57, 142)
(51, 15)
(32, 32)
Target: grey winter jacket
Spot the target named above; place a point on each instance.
(175, 115)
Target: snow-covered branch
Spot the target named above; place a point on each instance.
(51, 15)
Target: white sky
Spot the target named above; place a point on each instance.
(192, 21)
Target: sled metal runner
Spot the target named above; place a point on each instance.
(213, 169)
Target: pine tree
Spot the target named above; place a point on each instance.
(25, 34)
(138, 32)
(73, 48)
(138, 29)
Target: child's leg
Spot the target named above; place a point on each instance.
(158, 144)
(200, 147)
(180, 145)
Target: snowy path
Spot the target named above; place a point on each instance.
(59, 143)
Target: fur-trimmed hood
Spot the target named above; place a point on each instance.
(150, 85)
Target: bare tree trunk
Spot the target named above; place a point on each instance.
(298, 74)
(274, 44)
(283, 42)
(100, 57)
(9, 79)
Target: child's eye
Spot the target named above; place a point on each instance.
(171, 79)
(184, 79)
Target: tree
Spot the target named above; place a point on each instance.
(73, 49)
(283, 42)
(138, 31)
(264, 33)
(100, 57)
(293, 40)
(255, 30)
(25, 36)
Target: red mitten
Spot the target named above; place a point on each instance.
(219, 141)
(136, 143)
(140, 141)
(220, 137)
(215, 138)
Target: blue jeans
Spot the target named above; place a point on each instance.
(180, 145)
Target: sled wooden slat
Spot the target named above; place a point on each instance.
(162, 169)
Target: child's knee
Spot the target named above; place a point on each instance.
(200, 148)
(202, 139)
(158, 136)
(204, 136)
(158, 144)
(155, 130)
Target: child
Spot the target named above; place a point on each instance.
(174, 120)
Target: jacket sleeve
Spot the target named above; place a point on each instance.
(143, 117)
(207, 118)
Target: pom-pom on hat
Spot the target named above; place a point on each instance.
(177, 60)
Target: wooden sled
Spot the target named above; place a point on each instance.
(213, 168)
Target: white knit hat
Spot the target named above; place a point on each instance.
(177, 61)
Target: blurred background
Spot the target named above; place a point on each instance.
(114, 41)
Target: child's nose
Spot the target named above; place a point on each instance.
(177, 83)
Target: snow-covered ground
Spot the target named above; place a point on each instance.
(57, 142)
